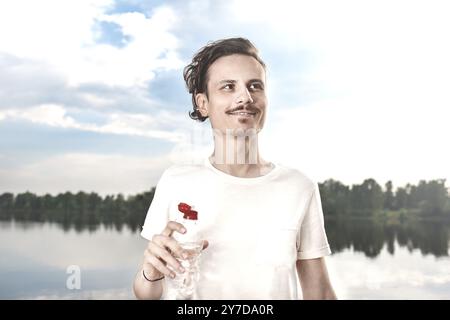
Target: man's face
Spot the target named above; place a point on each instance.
(236, 94)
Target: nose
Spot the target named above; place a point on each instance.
(244, 97)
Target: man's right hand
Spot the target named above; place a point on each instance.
(162, 250)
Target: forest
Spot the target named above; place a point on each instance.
(427, 200)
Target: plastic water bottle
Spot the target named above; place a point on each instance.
(185, 283)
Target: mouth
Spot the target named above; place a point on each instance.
(246, 114)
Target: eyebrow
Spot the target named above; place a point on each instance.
(234, 81)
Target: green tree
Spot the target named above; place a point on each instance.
(388, 196)
(83, 209)
(23, 206)
(335, 198)
(431, 197)
(6, 206)
(401, 198)
(411, 199)
(137, 209)
(367, 197)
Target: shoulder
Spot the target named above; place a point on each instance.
(182, 171)
(298, 177)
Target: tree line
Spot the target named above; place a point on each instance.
(89, 210)
(79, 210)
(427, 199)
(372, 236)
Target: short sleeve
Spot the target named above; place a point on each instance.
(312, 240)
(158, 212)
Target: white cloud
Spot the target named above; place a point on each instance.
(381, 69)
(388, 48)
(101, 173)
(97, 101)
(61, 34)
(383, 74)
(116, 123)
(349, 140)
(135, 124)
(52, 115)
(46, 28)
(352, 140)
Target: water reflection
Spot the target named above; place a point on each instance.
(376, 260)
(358, 234)
(35, 257)
(70, 226)
(369, 236)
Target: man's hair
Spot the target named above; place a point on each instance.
(196, 73)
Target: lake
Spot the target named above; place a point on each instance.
(370, 260)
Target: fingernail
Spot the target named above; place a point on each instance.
(183, 230)
(172, 275)
(181, 269)
(185, 255)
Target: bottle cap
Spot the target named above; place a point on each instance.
(187, 211)
(184, 207)
(191, 215)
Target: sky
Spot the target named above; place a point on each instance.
(92, 96)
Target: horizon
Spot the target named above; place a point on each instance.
(126, 196)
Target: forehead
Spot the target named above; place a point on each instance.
(235, 67)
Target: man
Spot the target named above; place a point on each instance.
(262, 222)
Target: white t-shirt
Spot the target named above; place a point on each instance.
(256, 228)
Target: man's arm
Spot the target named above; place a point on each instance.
(314, 279)
(144, 289)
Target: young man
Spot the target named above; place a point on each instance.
(262, 222)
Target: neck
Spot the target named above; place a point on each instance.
(238, 154)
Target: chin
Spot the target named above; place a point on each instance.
(245, 131)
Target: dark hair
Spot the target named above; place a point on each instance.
(196, 73)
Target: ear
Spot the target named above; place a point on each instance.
(202, 103)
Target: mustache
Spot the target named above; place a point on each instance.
(243, 108)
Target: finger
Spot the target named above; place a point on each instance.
(171, 227)
(166, 257)
(171, 244)
(158, 265)
(205, 244)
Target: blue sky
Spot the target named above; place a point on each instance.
(92, 96)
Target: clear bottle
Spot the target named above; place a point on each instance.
(185, 283)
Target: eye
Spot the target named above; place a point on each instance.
(256, 86)
(228, 86)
